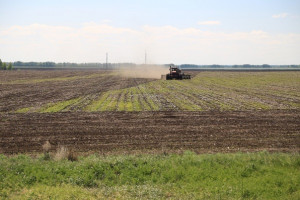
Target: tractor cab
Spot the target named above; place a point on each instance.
(176, 74)
(174, 70)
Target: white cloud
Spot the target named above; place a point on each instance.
(164, 44)
(93, 28)
(106, 21)
(281, 15)
(209, 23)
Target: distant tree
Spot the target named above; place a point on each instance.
(10, 66)
(1, 64)
(4, 66)
(216, 66)
(266, 66)
(247, 66)
(18, 63)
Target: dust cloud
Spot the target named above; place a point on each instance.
(144, 71)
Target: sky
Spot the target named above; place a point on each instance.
(170, 31)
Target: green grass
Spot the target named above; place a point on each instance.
(59, 106)
(24, 110)
(96, 105)
(188, 176)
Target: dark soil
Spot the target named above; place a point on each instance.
(106, 132)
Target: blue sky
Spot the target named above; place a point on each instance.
(200, 31)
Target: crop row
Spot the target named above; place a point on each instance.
(206, 91)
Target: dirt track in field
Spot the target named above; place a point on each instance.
(106, 132)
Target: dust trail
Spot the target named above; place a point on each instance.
(144, 71)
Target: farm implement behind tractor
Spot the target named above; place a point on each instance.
(175, 74)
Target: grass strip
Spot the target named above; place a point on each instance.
(259, 175)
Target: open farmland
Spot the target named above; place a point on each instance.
(59, 91)
(100, 111)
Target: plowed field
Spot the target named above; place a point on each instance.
(275, 130)
(99, 111)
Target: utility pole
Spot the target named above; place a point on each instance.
(106, 60)
(145, 57)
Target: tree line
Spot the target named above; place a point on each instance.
(35, 64)
(69, 64)
(248, 66)
(5, 66)
(48, 64)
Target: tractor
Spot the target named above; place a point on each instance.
(176, 74)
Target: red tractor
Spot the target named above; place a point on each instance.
(176, 74)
